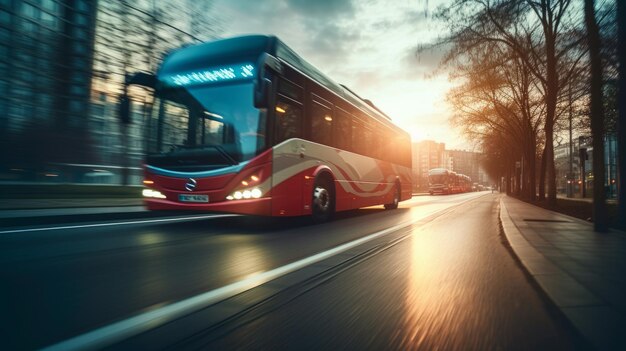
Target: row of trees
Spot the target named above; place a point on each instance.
(526, 69)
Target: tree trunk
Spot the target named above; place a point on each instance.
(508, 180)
(550, 169)
(532, 170)
(621, 124)
(542, 176)
(552, 91)
(600, 220)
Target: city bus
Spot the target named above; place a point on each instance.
(245, 125)
(443, 181)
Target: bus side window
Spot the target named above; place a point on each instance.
(288, 120)
(386, 146)
(376, 143)
(343, 130)
(321, 123)
(359, 136)
(290, 89)
(367, 140)
(406, 155)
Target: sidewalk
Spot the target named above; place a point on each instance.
(582, 272)
(29, 204)
(46, 211)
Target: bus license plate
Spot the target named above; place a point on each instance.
(193, 198)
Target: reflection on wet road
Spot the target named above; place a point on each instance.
(451, 284)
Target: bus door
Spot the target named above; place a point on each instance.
(288, 152)
(318, 130)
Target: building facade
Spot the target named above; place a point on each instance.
(46, 55)
(582, 173)
(62, 68)
(427, 155)
(466, 162)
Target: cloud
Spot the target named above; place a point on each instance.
(423, 62)
(371, 46)
(323, 9)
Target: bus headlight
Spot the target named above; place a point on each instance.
(254, 193)
(153, 193)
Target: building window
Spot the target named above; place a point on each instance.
(28, 26)
(76, 106)
(48, 20)
(30, 11)
(81, 20)
(49, 5)
(5, 17)
(80, 33)
(82, 6)
(78, 78)
(79, 48)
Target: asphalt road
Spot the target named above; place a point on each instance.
(440, 278)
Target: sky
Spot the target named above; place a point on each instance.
(368, 45)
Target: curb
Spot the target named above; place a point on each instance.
(37, 217)
(581, 307)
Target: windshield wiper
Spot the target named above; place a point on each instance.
(224, 153)
(188, 149)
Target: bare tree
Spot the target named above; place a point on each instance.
(535, 32)
(499, 99)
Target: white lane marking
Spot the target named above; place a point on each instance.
(118, 331)
(112, 333)
(177, 219)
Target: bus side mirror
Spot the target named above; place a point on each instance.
(262, 93)
(146, 80)
(124, 109)
(143, 79)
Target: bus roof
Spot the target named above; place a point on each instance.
(249, 48)
(438, 171)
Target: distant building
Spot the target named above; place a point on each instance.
(466, 162)
(561, 162)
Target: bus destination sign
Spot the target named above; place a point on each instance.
(212, 75)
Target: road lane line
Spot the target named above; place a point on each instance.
(124, 329)
(177, 219)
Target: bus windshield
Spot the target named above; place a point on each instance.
(204, 120)
(438, 179)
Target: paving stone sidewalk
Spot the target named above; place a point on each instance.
(581, 271)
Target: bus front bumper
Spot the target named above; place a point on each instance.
(260, 207)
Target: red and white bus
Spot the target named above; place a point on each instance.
(244, 125)
(443, 181)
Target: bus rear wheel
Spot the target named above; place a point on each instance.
(322, 204)
(396, 199)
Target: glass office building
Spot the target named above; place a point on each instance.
(62, 67)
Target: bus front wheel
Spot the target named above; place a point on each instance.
(322, 203)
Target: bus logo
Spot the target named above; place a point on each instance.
(191, 184)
